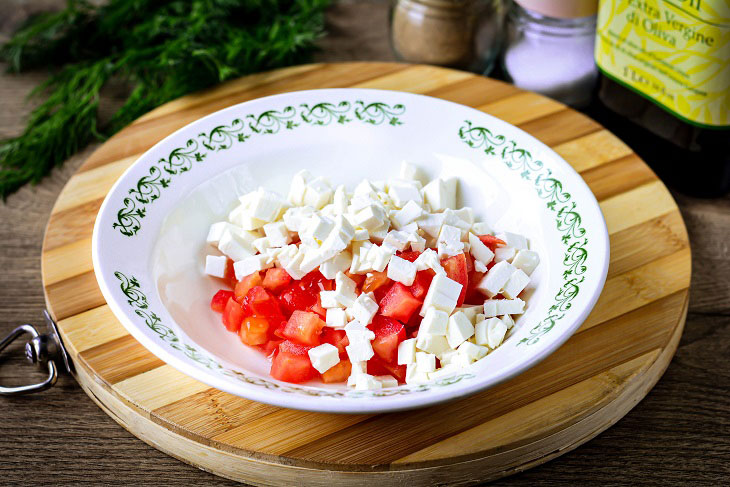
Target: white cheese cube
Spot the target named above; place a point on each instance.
(431, 223)
(435, 344)
(361, 234)
(472, 351)
(403, 191)
(359, 350)
(409, 213)
(480, 251)
(215, 265)
(414, 376)
(364, 189)
(437, 195)
(379, 257)
(495, 333)
(445, 357)
(429, 259)
(466, 214)
(508, 321)
(339, 199)
(460, 361)
(479, 266)
(526, 261)
(262, 244)
(479, 317)
(493, 282)
(396, 239)
(241, 217)
(504, 254)
(249, 265)
(515, 284)
(434, 322)
(401, 270)
(387, 381)
(470, 310)
(409, 229)
(378, 235)
(369, 218)
(265, 205)
(233, 247)
(510, 306)
(318, 193)
(277, 233)
(366, 382)
(407, 351)
(442, 294)
(324, 357)
(329, 299)
(513, 240)
(364, 309)
(449, 241)
(358, 368)
(490, 308)
(357, 331)
(297, 187)
(481, 228)
(444, 372)
(425, 362)
(335, 318)
(293, 263)
(418, 243)
(313, 257)
(409, 171)
(339, 263)
(216, 232)
(294, 218)
(459, 329)
(481, 330)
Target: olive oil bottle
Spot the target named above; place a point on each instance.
(665, 67)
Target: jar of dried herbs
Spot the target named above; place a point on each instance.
(462, 34)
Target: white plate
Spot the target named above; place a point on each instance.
(149, 237)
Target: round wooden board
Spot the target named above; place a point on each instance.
(604, 370)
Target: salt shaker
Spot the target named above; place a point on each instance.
(550, 48)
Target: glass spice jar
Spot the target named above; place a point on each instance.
(462, 34)
(550, 48)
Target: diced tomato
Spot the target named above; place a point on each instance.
(376, 366)
(276, 280)
(218, 303)
(399, 303)
(317, 307)
(469, 263)
(358, 278)
(382, 291)
(388, 334)
(230, 275)
(295, 298)
(420, 285)
(270, 346)
(409, 255)
(374, 281)
(260, 302)
(473, 296)
(304, 327)
(254, 330)
(316, 282)
(491, 241)
(244, 285)
(232, 315)
(338, 338)
(455, 268)
(338, 373)
(397, 371)
(291, 363)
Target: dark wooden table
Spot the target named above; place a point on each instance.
(678, 435)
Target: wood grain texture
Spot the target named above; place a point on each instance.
(679, 435)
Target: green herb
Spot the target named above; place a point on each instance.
(163, 49)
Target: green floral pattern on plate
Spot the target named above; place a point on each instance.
(223, 137)
(567, 220)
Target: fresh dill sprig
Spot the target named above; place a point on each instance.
(163, 48)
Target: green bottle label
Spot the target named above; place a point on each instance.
(676, 53)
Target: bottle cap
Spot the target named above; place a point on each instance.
(561, 9)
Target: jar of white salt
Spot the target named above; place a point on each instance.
(550, 48)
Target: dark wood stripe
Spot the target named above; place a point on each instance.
(474, 92)
(71, 225)
(386, 438)
(120, 359)
(618, 176)
(74, 295)
(560, 127)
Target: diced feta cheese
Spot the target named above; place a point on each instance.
(445, 357)
(435, 344)
(526, 261)
(369, 218)
(365, 189)
(481, 228)
(425, 362)
(402, 191)
(364, 309)
(504, 254)
(409, 171)
(358, 368)
(508, 321)
(318, 193)
(359, 350)
(396, 239)
(215, 265)
(479, 266)
(495, 333)
(515, 284)
(434, 322)
(366, 382)
(429, 259)
(379, 256)
(459, 329)
(216, 232)
(297, 187)
(481, 329)
(418, 243)
(265, 205)
(339, 199)
(387, 381)
(242, 218)
(345, 288)
(470, 310)
(339, 263)
(313, 258)
(513, 240)
(490, 308)
(460, 361)
(328, 299)
(324, 357)
(442, 294)
(361, 234)
(378, 235)
(493, 282)
(233, 247)
(409, 213)
(479, 317)
(407, 351)
(401, 270)
(335, 318)
(510, 306)
(472, 351)
(481, 252)
(449, 241)
(414, 376)
(249, 265)
(431, 223)
(261, 244)
(446, 371)
(466, 214)
(440, 194)
(277, 233)
(293, 263)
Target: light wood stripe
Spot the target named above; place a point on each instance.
(120, 359)
(604, 184)
(90, 329)
(522, 107)
(73, 296)
(636, 206)
(68, 261)
(419, 79)
(560, 127)
(473, 92)
(521, 425)
(68, 226)
(592, 150)
(159, 387)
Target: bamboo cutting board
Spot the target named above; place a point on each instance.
(604, 370)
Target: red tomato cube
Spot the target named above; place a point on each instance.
(338, 373)
(230, 275)
(260, 302)
(374, 281)
(218, 303)
(232, 315)
(270, 346)
(420, 285)
(304, 327)
(491, 241)
(244, 286)
(276, 280)
(456, 270)
(388, 334)
(254, 330)
(338, 338)
(399, 303)
(295, 298)
(291, 363)
(409, 255)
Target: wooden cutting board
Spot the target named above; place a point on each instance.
(604, 370)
